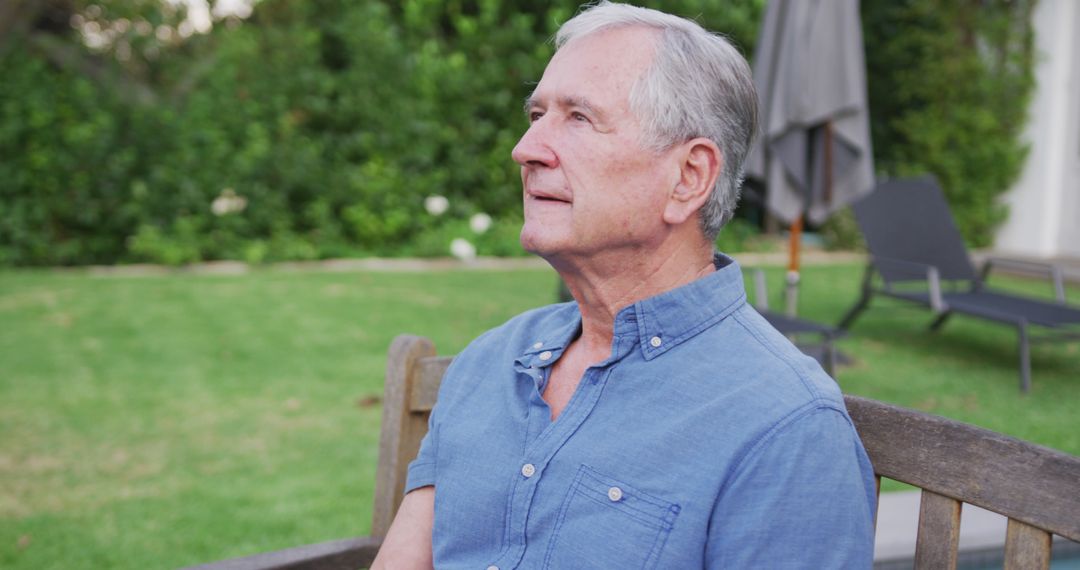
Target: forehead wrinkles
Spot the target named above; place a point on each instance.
(614, 63)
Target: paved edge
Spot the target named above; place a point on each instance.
(414, 265)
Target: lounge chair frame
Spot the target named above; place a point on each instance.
(920, 257)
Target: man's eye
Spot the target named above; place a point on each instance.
(579, 117)
(535, 116)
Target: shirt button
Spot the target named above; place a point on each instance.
(546, 355)
(493, 567)
(528, 470)
(615, 494)
(538, 345)
(656, 342)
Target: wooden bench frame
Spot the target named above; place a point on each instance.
(1037, 488)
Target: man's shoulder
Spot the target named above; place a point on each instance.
(763, 371)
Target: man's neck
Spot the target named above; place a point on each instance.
(603, 287)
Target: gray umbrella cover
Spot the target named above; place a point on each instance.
(809, 69)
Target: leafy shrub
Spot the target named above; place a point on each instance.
(332, 120)
(949, 86)
(840, 232)
(66, 165)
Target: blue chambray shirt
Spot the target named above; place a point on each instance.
(706, 440)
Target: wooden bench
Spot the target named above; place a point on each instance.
(1037, 488)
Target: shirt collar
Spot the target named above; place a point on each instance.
(549, 346)
(664, 321)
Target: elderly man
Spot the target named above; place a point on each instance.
(658, 422)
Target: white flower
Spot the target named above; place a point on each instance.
(480, 222)
(436, 205)
(220, 206)
(228, 202)
(462, 249)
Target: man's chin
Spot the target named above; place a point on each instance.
(533, 239)
(533, 246)
(544, 246)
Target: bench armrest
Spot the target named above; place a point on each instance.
(344, 554)
(1052, 270)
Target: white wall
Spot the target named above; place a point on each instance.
(1044, 204)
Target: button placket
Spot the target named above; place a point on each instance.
(541, 450)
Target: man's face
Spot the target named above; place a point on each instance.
(590, 185)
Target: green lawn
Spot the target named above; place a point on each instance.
(153, 422)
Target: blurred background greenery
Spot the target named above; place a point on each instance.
(285, 130)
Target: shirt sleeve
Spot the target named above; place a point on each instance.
(422, 469)
(803, 497)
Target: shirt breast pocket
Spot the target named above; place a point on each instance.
(605, 523)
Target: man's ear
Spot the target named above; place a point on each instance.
(699, 166)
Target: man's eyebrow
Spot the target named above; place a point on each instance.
(571, 101)
(567, 101)
(530, 102)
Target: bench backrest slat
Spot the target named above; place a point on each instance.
(938, 540)
(1026, 547)
(429, 377)
(402, 429)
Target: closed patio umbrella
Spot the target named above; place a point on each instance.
(814, 155)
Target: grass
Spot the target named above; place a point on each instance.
(160, 421)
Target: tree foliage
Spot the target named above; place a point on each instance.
(325, 123)
(317, 128)
(949, 85)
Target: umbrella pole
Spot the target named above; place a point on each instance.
(791, 292)
(791, 297)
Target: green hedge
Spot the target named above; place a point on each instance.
(319, 127)
(950, 83)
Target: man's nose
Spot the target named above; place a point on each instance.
(533, 149)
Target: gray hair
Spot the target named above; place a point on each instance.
(698, 85)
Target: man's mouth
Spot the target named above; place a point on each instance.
(546, 197)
